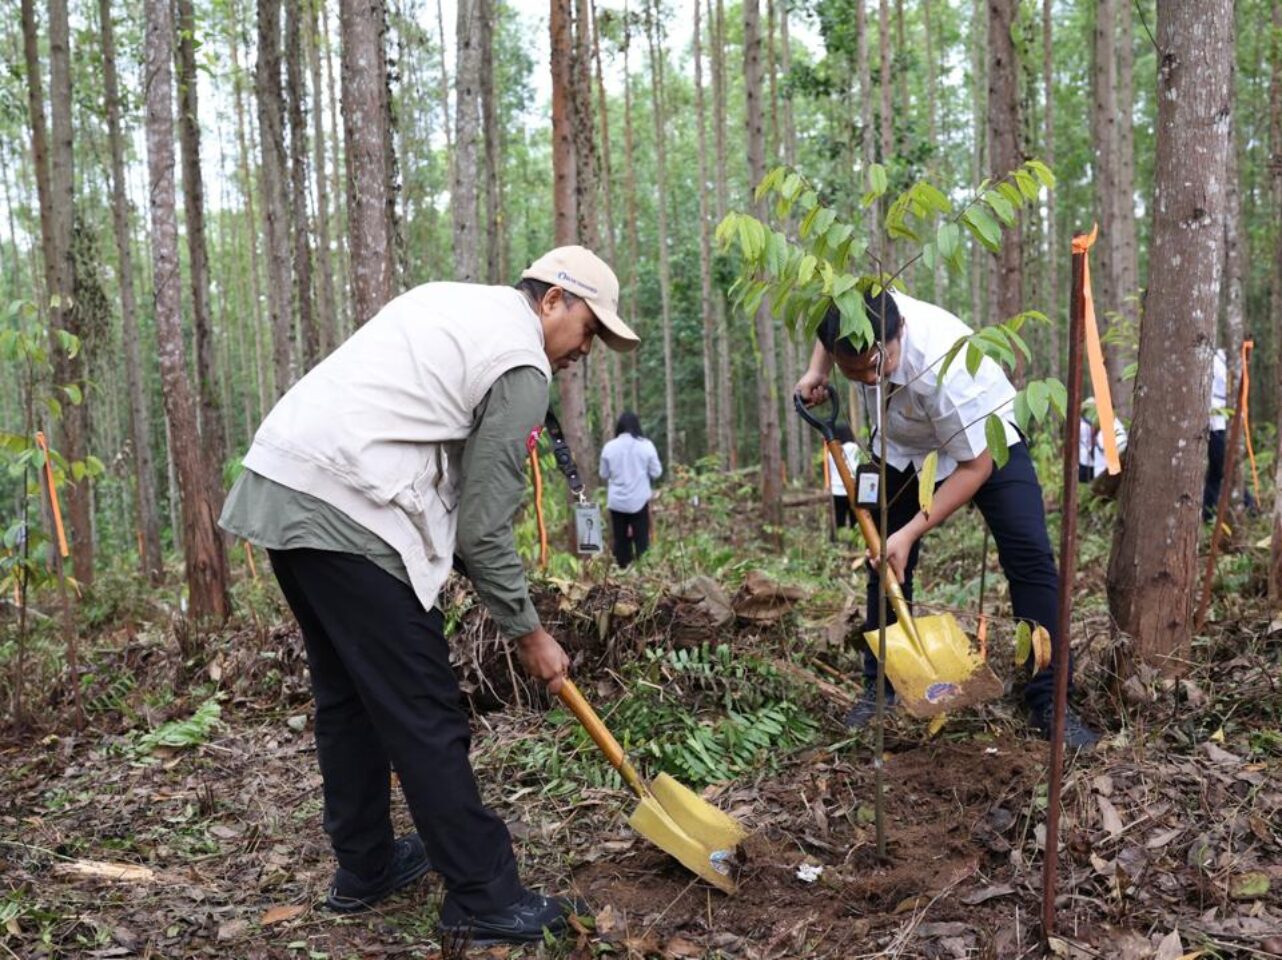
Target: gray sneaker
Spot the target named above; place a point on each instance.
(865, 709)
(1076, 733)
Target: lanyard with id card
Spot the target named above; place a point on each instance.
(589, 538)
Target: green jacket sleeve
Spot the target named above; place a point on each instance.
(493, 472)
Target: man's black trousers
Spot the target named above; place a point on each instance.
(386, 698)
(1011, 503)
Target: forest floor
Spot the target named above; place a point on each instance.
(196, 778)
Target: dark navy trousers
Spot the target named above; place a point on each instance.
(1011, 503)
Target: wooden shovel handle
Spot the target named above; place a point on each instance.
(597, 730)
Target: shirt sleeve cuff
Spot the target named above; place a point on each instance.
(519, 623)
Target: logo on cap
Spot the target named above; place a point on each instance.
(562, 275)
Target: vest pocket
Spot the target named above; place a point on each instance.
(430, 502)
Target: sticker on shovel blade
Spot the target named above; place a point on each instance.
(938, 692)
(720, 861)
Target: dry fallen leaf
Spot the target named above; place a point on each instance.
(680, 947)
(102, 870)
(1170, 948)
(605, 920)
(988, 893)
(282, 913)
(1109, 816)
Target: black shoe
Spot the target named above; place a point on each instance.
(865, 709)
(521, 922)
(1076, 733)
(350, 894)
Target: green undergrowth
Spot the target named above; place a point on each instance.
(703, 715)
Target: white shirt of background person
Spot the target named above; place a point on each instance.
(1219, 390)
(851, 452)
(629, 463)
(1101, 464)
(1085, 442)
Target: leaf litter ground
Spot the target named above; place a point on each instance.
(1172, 839)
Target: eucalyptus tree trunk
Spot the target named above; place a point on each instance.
(1106, 280)
(344, 303)
(630, 188)
(781, 148)
(149, 557)
(272, 179)
(1275, 281)
(489, 10)
(1053, 300)
(615, 368)
(302, 248)
(206, 563)
(706, 311)
(1153, 568)
(727, 439)
(979, 153)
(467, 265)
(328, 320)
(210, 416)
(593, 370)
(767, 377)
(661, 201)
(364, 119)
(1006, 295)
(883, 245)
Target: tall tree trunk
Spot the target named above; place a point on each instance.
(467, 268)
(1234, 283)
(939, 271)
(978, 170)
(705, 254)
(206, 562)
(210, 417)
(272, 178)
(149, 557)
(302, 288)
(1275, 282)
(391, 168)
(344, 305)
(793, 354)
(1104, 121)
(883, 245)
(615, 404)
(364, 116)
(1053, 301)
(445, 96)
(1153, 569)
(1128, 267)
(788, 375)
(592, 370)
(661, 203)
(767, 377)
(725, 379)
(1003, 137)
(493, 146)
(328, 320)
(630, 187)
(244, 151)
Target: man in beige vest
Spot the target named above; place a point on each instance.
(404, 447)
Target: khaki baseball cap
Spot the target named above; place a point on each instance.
(579, 271)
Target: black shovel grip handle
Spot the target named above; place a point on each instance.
(825, 425)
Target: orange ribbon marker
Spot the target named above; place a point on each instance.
(1095, 357)
(1244, 401)
(538, 507)
(53, 495)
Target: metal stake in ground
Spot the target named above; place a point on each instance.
(1067, 571)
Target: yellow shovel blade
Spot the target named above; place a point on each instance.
(941, 674)
(696, 816)
(655, 823)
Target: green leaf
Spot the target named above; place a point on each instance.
(995, 434)
(838, 234)
(1042, 172)
(73, 394)
(1011, 193)
(877, 180)
(950, 356)
(806, 272)
(974, 357)
(1000, 206)
(983, 227)
(948, 237)
(1039, 398)
(1059, 396)
(1023, 642)
(1027, 185)
(825, 219)
(70, 342)
(78, 471)
(791, 186)
(926, 482)
(933, 199)
(808, 223)
(95, 466)
(1022, 414)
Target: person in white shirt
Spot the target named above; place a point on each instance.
(628, 463)
(1215, 437)
(926, 412)
(843, 515)
(1085, 450)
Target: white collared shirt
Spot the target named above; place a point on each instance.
(1219, 390)
(851, 456)
(925, 413)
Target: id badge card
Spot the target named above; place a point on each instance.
(587, 526)
(867, 486)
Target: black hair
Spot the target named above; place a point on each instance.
(844, 433)
(629, 422)
(874, 304)
(538, 289)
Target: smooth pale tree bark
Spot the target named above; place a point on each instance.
(1275, 287)
(210, 416)
(767, 375)
(706, 310)
(328, 319)
(1128, 263)
(793, 355)
(1006, 293)
(615, 384)
(150, 560)
(206, 563)
(939, 273)
(391, 167)
(467, 89)
(1107, 280)
(659, 113)
(630, 188)
(594, 372)
(244, 150)
(1234, 283)
(272, 179)
(302, 248)
(780, 149)
(493, 146)
(446, 125)
(725, 379)
(364, 117)
(882, 245)
(1153, 568)
(571, 382)
(978, 169)
(344, 302)
(1053, 300)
